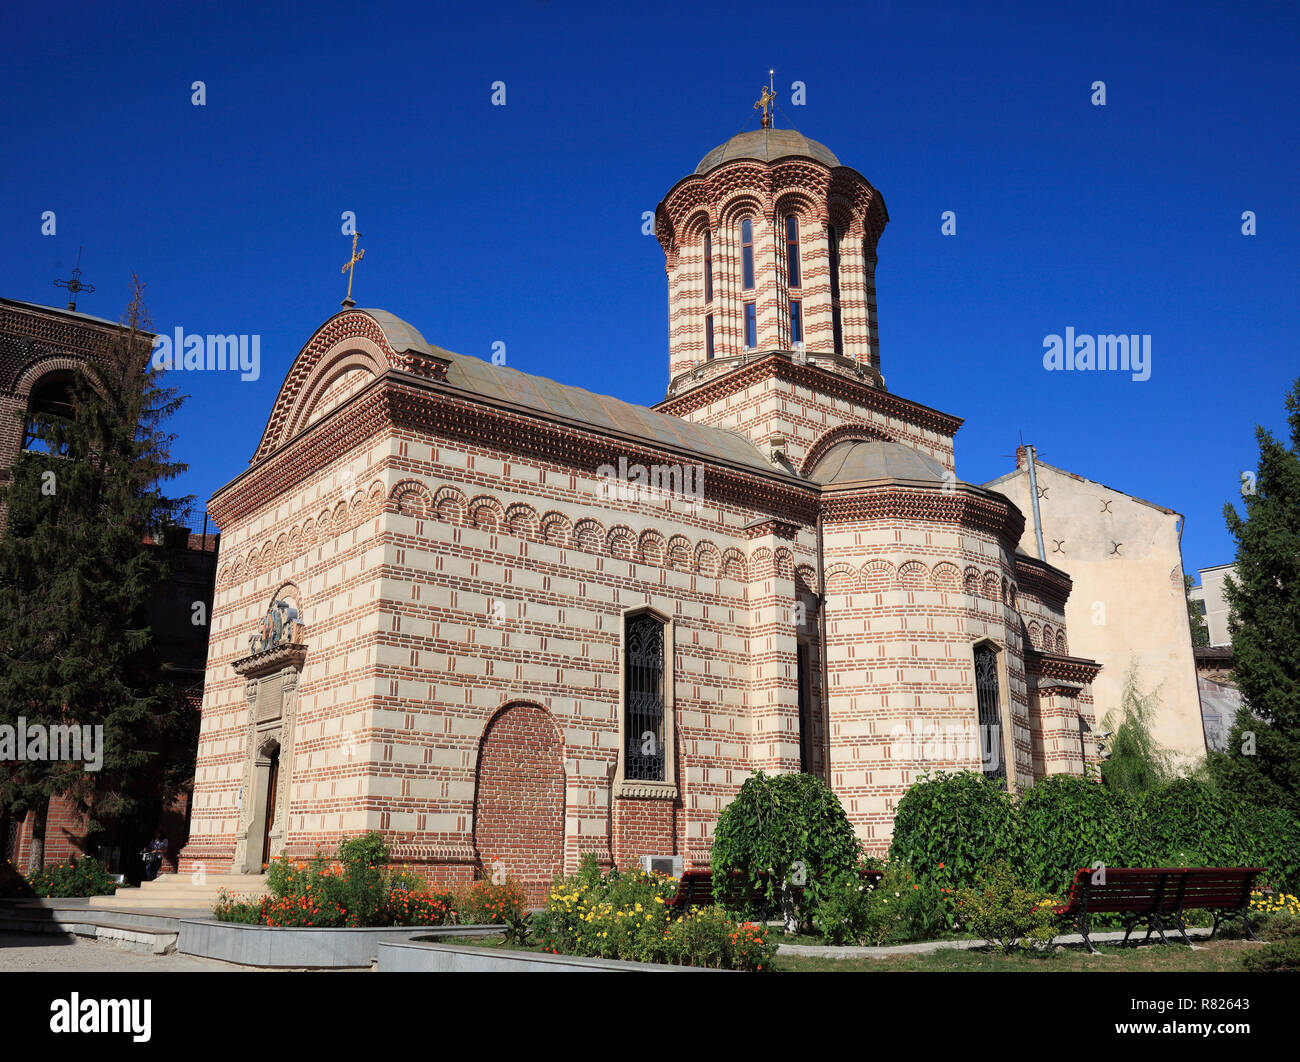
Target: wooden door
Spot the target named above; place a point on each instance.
(272, 787)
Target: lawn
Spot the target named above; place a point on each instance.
(1216, 955)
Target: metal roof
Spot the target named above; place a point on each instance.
(564, 401)
(766, 145)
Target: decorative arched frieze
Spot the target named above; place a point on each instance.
(449, 505)
(878, 575)
(946, 576)
(522, 521)
(913, 575)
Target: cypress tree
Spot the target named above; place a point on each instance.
(1263, 758)
(79, 563)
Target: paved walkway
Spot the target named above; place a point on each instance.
(31, 952)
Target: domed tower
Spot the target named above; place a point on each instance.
(770, 246)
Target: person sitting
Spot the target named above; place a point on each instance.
(154, 855)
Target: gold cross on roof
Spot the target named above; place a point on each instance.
(766, 100)
(348, 303)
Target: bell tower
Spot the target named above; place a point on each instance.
(770, 247)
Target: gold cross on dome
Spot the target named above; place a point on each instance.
(766, 100)
(348, 303)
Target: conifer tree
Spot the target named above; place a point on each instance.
(1263, 758)
(79, 562)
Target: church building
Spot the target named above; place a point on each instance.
(507, 621)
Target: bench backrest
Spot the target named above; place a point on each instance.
(1129, 890)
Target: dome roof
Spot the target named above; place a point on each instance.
(863, 460)
(766, 145)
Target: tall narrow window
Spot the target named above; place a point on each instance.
(792, 250)
(796, 321)
(747, 251)
(643, 644)
(751, 326)
(803, 677)
(837, 328)
(708, 266)
(833, 243)
(708, 337)
(990, 712)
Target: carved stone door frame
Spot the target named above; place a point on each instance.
(272, 695)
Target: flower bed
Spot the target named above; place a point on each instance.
(77, 877)
(625, 915)
(362, 890)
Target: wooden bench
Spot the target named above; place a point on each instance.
(1153, 894)
(695, 889)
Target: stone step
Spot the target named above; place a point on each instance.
(93, 925)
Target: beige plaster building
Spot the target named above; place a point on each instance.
(1129, 605)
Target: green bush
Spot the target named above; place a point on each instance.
(948, 826)
(79, 877)
(1005, 912)
(897, 910)
(1283, 954)
(1068, 822)
(781, 834)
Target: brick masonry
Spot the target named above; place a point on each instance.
(463, 579)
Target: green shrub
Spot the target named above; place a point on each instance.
(948, 826)
(79, 877)
(1006, 913)
(842, 912)
(1278, 955)
(897, 910)
(1068, 822)
(780, 834)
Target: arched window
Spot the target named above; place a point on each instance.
(747, 251)
(792, 251)
(708, 266)
(51, 397)
(643, 692)
(837, 329)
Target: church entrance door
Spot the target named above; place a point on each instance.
(272, 785)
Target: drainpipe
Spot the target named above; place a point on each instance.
(1033, 491)
(821, 652)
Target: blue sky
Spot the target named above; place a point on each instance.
(522, 224)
